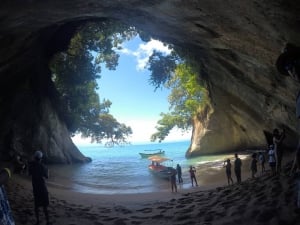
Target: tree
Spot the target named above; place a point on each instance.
(74, 73)
(111, 130)
(161, 67)
(188, 99)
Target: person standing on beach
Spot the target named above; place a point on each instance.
(192, 172)
(40, 192)
(253, 165)
(179, 174)
(277, 142)
(272, 160)
(228, 171)
(6, 217)
(238, 168)
(262, 161)
(173, 180)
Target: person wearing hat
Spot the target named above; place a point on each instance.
(39, 173)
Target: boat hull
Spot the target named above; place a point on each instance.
(146, 155)
(160, 171)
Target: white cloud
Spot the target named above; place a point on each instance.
(144, 51)
(142, 131)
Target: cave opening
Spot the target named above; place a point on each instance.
(94, 49)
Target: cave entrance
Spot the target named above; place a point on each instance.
(93, 51)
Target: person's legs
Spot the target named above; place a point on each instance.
(254, 173)
(273, 170)
(239, 177)
(46, 214)
(231, 179)
(236, 175)
(278, 164)
(196, 181)
(36, 210)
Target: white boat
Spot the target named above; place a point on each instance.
(148, 154)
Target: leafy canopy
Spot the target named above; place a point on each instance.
(188, 97)
(74, 73)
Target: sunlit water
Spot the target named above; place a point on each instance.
(122, 170)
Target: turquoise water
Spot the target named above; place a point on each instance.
(122, 170)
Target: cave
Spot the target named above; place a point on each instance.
(235, 43)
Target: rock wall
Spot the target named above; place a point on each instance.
(236, 44)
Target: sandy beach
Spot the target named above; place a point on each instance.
(263, 200)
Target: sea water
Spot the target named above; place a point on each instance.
(123, 170)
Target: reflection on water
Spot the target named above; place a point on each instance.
(122, 170)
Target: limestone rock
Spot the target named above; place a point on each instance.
(235, 42)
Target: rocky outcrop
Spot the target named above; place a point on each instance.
(235, 43)
(29, 122)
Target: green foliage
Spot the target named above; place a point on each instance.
(111, 130)
(161, 67)
(187, 99)
(75, 72)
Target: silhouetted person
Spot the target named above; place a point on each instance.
(20, 165)
(262, 161)
(278, 148)
(173, 180)
(192, 172)
(272, 160)
(228, 171)
(40, 192)
(238, 168)
(179, 174)
(288, 62)
(253, 165)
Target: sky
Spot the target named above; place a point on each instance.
(134, 101)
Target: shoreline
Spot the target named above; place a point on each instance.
(130, 199)
(211, 176)
(266, 200)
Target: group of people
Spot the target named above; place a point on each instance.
(237, 169)
(39, 173)
(192, 172)
(178, 172)
(275, 155)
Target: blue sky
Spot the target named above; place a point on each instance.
(134, 101)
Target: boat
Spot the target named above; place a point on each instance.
(158, 169)
(148, 154)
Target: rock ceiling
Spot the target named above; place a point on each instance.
(235, 42)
